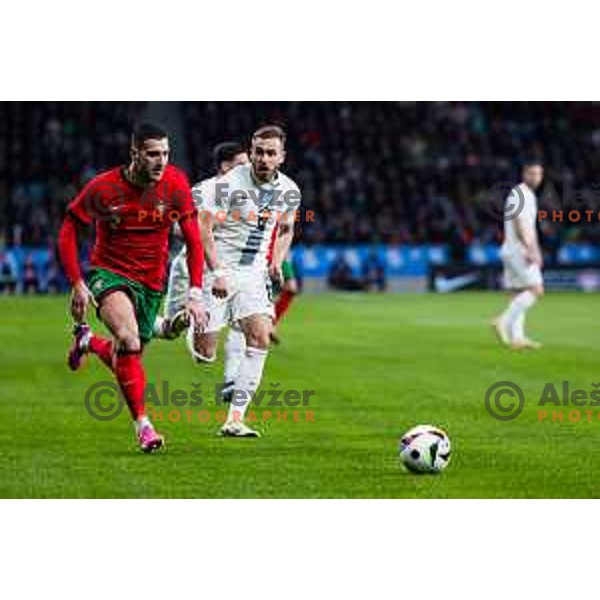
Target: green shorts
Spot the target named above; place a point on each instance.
(287, 270)
(146, 302)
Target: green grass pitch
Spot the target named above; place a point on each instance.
(379, 364)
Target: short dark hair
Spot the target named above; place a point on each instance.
(270, 131)
(532, 162)
(226, 151)
(147, 131)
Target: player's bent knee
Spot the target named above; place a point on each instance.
(203, 347)
(129, 345)
(258, 339)
(206, 346)
(204, 351)
(127, 341)
(264, 343)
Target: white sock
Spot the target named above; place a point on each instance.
(84, 344)
(142, 422)
(514, 315)
(247, 381)
(235, 348)
(158, 328)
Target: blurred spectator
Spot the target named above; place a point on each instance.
(56, 281)
(341, 276)
(373, 271)
(31, 279)
(8, 272)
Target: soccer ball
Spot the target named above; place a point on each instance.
(425, 449)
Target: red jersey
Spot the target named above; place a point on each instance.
(132, 223)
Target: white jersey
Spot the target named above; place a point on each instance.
(198, 193)
(245, 214)
(520, 196)
(201, 189)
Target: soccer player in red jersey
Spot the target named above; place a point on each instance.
(132, 209)
(286, 290)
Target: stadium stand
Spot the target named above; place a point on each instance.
(399, 174)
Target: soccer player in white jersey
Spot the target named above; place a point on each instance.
(239, 217)
(522, 259)
(175, 319)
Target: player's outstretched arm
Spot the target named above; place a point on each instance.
(210, 255)
(195, 262)
(67, 248)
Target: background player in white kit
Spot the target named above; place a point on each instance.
(175, 319)
(522, 259)
(240, 215)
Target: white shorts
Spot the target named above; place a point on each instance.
(518, 273)
(250, 293)
(179, 285)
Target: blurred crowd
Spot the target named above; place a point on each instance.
(389, 172)
(48, 150)
(415, 172)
